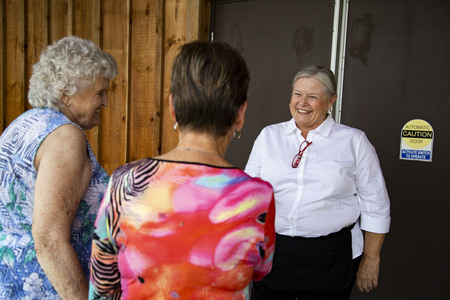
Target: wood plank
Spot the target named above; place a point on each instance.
(86, 24)
(144, 103)
(15, 60)
(192, 20)
(181, 19)
(159, 77)
(114, 130)
(87, 20)
(2, 67)
(37, 36)
(204, 21)
(61, 19)
(173, 39)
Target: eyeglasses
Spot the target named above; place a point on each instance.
(298, 157)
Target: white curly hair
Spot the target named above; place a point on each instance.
(59, 67)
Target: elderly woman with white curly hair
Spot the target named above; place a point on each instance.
(51, 183)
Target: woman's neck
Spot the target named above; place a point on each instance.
(204, 142)
(201, 148)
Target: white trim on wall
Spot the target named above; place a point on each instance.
(337, 61)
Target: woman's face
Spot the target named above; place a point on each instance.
(83, 108)
(309, 103)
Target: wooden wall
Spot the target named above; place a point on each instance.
(142, 35)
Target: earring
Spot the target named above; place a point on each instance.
(236, 135)
(175, 126)
(330, 111)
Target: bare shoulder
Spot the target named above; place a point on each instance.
(66, 143)
(67, 134)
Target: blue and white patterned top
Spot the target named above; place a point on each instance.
(21, 276)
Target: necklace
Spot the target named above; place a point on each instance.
(198, 150)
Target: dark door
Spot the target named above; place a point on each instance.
(397, 66)
(397, 69)
(276, 42)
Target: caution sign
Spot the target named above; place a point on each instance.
(417, 141)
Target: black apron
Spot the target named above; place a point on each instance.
(312, 264)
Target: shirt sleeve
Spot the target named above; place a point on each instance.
(267, 249)
(372, 193)
(105, 277)
(253, 167)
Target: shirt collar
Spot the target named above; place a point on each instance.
(323, 129)
(291, 127)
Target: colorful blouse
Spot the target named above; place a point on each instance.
(174, 230)
(21, 276)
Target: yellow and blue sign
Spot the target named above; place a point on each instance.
(416, 143)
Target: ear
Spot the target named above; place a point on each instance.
(332, 101)
(171, 108)
(241, 116)
(65, 99)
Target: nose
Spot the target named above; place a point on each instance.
(301, 100)
(105, 100)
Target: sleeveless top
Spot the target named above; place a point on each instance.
(21, 276)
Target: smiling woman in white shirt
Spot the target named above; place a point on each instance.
(329, 190)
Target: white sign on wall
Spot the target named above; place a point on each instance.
(416, 143)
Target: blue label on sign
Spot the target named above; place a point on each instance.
(416, 154)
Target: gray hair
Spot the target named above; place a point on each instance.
(324, 75)
(61, 65)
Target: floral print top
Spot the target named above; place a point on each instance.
(21, 276)
(178, 230)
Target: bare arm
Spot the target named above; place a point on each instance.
(63, 175)
(367, 275)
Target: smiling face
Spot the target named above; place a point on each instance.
(83, 108)
(309, 104)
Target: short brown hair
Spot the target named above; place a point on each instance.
(209, 84)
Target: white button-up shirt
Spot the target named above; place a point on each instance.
(338, 181)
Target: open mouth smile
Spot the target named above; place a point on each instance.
(303, 111)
